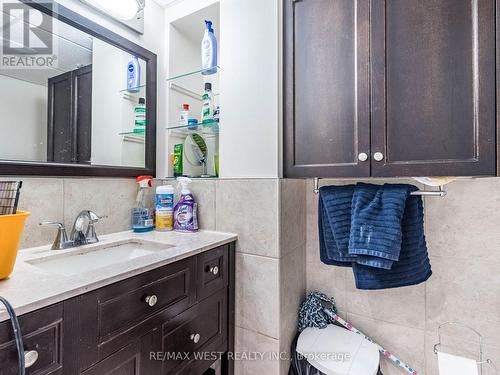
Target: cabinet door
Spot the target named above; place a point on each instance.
(326, 93)
(433, 87)
(137, 358)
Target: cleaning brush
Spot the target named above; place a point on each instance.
(9, 196)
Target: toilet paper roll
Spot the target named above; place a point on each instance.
(452, 365)
(435, 181)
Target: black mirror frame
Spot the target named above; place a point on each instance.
(14, 167)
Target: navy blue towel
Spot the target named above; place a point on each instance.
(378, 230)
(377, 213)
(334, 222)
(413, 266)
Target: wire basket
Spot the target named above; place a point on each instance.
(9, 196)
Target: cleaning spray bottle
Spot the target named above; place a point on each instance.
(186, 210)
(142, 214)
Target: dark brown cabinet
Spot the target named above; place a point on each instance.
(389, 88)
(172, 320)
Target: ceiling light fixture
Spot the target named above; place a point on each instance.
(123, 10)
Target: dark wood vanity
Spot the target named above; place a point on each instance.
(175, 319)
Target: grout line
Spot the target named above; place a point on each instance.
(256, 255)
(257, 332)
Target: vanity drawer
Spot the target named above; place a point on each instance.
(123, 305)
(42, 332)
(201, 329)
(212, 271)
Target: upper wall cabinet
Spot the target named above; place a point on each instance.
(326, 102)
(389, 88)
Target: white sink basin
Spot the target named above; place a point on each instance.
(92, 257)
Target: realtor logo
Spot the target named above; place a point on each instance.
(27, 37)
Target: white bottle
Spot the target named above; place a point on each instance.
(209, 51)
(184, 115)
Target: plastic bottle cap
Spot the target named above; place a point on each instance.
(142, 178)
(209, 26)
(165, 189)
(185, 107)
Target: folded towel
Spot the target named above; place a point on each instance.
(390, 255)
(413, 266)
(334, 223)
(377, 212)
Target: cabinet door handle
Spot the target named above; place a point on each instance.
(30, 358)
(363, 156)
(214, 270)
(195, 337)
(378, 156)
(151, 300)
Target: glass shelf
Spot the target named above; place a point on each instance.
(196, 72)
(125, 91)
(213, 126)
(137, 132)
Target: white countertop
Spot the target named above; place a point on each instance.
(30, 288)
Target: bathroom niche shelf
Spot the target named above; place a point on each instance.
(194, 73)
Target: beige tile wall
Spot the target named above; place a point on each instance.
(60, 199)
(463, 235)
(269, 217)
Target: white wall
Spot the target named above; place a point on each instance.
(249, 140)
(23, 127)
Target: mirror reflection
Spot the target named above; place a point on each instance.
(87, 107)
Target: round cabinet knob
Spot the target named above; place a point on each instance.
(151, 300)
(363, 156)
(214, 270)
(195, 337)
(30, 357)
(378, 156)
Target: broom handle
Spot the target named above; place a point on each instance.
(386, 353)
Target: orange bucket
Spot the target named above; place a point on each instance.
(11, 229)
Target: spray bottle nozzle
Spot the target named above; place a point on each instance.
(183, 184)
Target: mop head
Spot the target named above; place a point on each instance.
(313, 311)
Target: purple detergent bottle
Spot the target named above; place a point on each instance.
(186, 210)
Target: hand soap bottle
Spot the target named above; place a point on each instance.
(186, 210)
(209, 51)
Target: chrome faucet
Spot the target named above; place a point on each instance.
(78, 237)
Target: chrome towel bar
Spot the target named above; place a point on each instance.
(434, 193)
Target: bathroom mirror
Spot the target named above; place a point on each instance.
(76, 98)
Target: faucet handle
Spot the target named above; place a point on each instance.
(61, 241)
(91, 235)
(94, 218)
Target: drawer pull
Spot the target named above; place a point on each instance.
(151, 300)
(30, 358)
(214, 270)
(195, 337)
